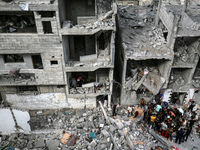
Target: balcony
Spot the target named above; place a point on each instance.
(88, 51)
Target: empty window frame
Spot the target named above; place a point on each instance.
(37, 61)
(13, 58)
(27, 90)
(47, 27)
(60, 86)
(17, 22)
(54, 62)
(47, 14)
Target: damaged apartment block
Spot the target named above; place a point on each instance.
(88, 34)
(56, 53)
(143, 54)
(157, 54)
(31, 55)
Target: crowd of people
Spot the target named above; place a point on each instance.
(167, 121)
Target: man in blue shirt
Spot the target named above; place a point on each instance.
(160, 96)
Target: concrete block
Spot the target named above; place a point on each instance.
(105, 133)
(119, 124)
(53, 144)
(112, 128)
(39, 144)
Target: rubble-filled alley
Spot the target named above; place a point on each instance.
(91, 129)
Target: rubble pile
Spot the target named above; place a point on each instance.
(183, 54)
(100, 61)
(93, 87)
(176, 77)
(140, 36)
(94, 129)
(104, 21)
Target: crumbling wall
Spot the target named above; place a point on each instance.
(26, 44)
(41, 101)
(82, 102)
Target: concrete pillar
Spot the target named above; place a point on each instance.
(123, 79)
(158, 13)
(111, 79)
(184, 10)
(109, 101)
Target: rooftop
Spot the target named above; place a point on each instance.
(190, 25)
(140, 38)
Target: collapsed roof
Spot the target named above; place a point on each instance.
(140, 38)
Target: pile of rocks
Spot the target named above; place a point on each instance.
(49, 126)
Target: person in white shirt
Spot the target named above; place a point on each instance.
(130, 110)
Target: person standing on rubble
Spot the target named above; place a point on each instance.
(158, 107)
(130, 110)
(114, 110)
(163, 128)
(179, 135)
(188, 131)
(157, 125)
(152, 120)
(145, 111)
(142, 102)
(191, 122)
(169, 133)
(161, 96)
(192, 105)
(73, 83)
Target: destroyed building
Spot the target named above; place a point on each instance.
(47, 44)
(157, 55)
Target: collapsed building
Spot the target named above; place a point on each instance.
(47, 44)
(61, 54)
(157, 55)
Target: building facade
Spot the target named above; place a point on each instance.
(55, 53)
(158, 55)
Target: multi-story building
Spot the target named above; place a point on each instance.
(182, 26)
(154, 58)
(56, 53)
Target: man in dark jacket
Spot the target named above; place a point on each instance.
(188, 131)
(179, 135)
(114, 110)
(191, 122)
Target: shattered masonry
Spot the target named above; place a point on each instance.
(66, 53)
(157, 57)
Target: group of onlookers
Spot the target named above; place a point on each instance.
(166, 120)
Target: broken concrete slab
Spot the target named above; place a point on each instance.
(154, 82)
(119, 124)
(105, 133)
(112, 128)
(80, 112)
(40, 144)
(53, 144)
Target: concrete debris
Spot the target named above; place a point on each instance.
(118, 133)
(105, 133)
(39, 144)
(17, 23)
